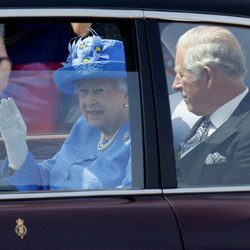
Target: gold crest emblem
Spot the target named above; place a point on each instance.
(20, 229)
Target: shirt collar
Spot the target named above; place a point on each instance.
(224, 112)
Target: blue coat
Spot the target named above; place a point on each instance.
(79, 164)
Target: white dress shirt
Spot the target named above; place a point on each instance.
(224, 112)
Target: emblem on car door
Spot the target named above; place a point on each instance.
(20, 229)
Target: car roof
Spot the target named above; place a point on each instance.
(228, 7)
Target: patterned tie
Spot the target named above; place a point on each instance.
(200, 135)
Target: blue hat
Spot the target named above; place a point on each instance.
(91, 57)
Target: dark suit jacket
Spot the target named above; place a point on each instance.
(224, 157)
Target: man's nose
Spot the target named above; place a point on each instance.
(177, 83)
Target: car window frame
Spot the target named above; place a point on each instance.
(169, 16)
(151, 174)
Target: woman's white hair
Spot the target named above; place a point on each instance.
(120, 83)
(215, 47)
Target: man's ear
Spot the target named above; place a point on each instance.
(210, 76)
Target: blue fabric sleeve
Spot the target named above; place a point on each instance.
(31, 175)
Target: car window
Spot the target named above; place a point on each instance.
(66, 119)
(208, 85)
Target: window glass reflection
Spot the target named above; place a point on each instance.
(210, 112)
(65, 109)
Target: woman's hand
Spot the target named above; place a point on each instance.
(13, 130)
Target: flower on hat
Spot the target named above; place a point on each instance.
(86, 50)
(91, 57)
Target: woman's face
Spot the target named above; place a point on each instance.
(102, 102)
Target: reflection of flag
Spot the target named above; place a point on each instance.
(33, 89)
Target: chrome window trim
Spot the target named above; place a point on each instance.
(210, 18)
(75, 194)
(206, 190)
(114, 13)
(71, 12)
(194, 17)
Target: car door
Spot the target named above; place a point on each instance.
(135, 217)
(210, 217)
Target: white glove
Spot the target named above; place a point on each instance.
(13, 130)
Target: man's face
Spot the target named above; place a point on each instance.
(194, 91)
(102, 103)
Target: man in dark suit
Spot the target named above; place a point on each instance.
(210, 69)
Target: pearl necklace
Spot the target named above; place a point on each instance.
(103, 145)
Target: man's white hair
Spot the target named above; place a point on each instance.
(215, 47)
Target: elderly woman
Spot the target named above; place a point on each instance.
(96, 153)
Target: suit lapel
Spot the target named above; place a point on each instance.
(206, 147)
(232, 123)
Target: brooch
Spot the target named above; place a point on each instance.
(125, 137)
